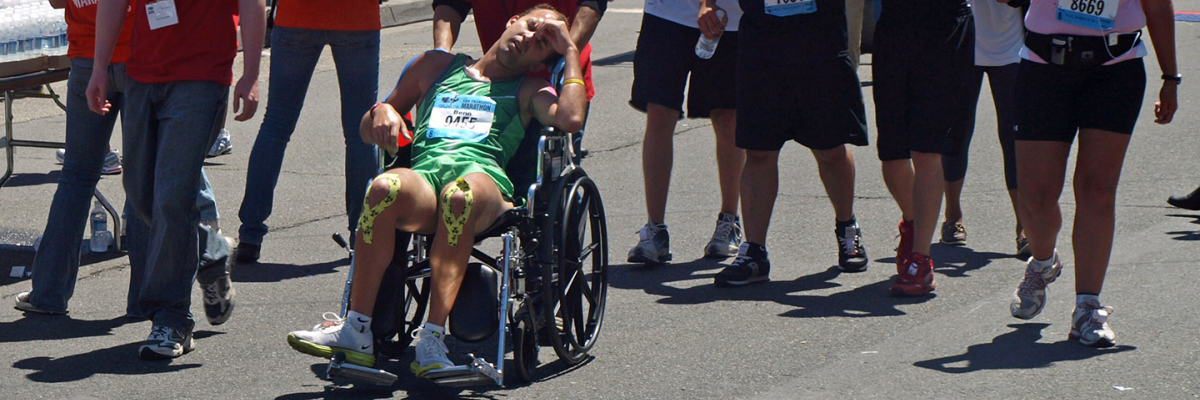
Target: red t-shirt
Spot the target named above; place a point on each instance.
(201, 47)
(491, 19)
(81, 32)
(340, 15)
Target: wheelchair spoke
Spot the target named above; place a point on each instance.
(587, 251)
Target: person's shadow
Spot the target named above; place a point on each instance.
(670, 282)
(268, 272)
(1186, 235)
(1018, 349)
(113, 360)
(36, 326)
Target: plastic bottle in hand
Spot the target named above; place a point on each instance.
(705, 47)
(101, 236)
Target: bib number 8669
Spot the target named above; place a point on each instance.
(1093, 7)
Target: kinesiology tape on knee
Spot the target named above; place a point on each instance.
(366, 221)
(454, 225)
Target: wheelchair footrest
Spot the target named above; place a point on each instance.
(339, 368)
(479, 372)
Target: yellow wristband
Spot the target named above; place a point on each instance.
(575, 81)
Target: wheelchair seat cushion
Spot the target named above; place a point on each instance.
(508, 219)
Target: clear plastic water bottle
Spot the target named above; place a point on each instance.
(705, 47)
(101, 237)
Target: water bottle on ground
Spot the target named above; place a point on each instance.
(101, 236)
(705, 47)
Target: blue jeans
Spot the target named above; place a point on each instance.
(56, 264)
(168, 127)
(294, 54)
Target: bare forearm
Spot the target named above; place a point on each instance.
(583, 26)
(572, 99)
(254, 27)
(446, 24)
(110, 16)
(1160, 21)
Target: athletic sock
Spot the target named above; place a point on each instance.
(1041, 265)
(1084, 297)
(437, 330)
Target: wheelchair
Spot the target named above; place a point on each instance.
(547, 287)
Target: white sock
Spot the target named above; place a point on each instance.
(357, 320)
(1083, 298)
(1043, 264)
(438, 331)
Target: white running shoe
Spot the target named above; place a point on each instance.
(726, 237)
(431, 353)
(111, 166)
(335, 335)
(654, 245)
(1030, 298)
(1089, 324)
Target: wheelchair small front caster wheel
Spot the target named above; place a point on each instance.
(525, 347)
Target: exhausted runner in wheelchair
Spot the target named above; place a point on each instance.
(471, 116)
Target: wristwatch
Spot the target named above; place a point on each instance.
(1178, 79)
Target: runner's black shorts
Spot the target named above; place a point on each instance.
(921, 81)
(1055, 102)
(819, 104)
(666, 54)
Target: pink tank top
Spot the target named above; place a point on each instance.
(1042, 18)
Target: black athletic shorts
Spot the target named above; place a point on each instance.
(1053, 102)
(818, 104)
(920, 86)
(666, 54)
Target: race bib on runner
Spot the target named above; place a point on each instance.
(1091, 14)
(783, 8)
(161, 14)
(461, 116)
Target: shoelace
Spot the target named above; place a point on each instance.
(849, 240)
(437, 350)
(1098, 316)
(1033, 281)
(159, 333)
(211, 294)
(727, 231)
(331, 322)
(647, 233)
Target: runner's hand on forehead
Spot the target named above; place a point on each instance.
(554, 33)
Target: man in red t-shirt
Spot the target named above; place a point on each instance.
(179, 72)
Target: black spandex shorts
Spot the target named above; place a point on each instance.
(666, 54)
(1055, 102)
(920, 86)
(817, 104)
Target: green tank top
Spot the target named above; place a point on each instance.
(464, 118)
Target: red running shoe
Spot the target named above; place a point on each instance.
(904, 250)
(916, 279)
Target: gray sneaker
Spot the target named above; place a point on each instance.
(222, 146)
(23, 304)
(726, 238)
(218, 294)
(1030, 297)
(654, 245)
(166, 342)
(1089, 324)
(954, 233)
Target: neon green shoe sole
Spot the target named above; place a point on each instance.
(326, 352)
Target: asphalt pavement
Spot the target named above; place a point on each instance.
(811, 332)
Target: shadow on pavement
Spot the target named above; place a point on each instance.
(17, 255)
(959, 261)
(866, 301)
(33, 179)
(260, 272)
(119, 360)
(1018, 349)
(56, 327)
(1186, 235)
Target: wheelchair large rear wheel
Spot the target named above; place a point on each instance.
(578, 282)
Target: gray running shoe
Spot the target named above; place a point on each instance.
(23, 304)
(222, 146)
(953, 233)
(1023, 251)
(726, 238)
(654, 245)
(1030, 297)
(218, 294)
(111, 166)
(166, 342)
(1089, 324)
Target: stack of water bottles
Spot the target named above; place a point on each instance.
(31, 29)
